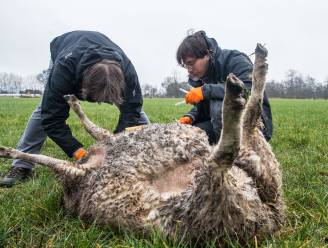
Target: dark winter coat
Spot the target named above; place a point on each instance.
(71, 54)
(222, 63)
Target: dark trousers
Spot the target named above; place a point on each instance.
(211, 123)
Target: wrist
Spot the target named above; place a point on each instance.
(79, 153)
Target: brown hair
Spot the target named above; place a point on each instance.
(194, 46)
(103, 82)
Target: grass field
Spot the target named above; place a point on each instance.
(31, 214)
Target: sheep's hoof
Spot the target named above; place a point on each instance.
(260, 50)
(234, 84)
(5, 152)
(236, 89)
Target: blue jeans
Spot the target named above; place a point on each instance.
(34, 136)
(32, 139)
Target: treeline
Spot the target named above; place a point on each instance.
(294, 85)
(170, 87)
(297, 86)
(11, 83)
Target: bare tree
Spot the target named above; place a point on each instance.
(171, 85)
(42, 77)
(295, 85)
(10, 83)
(149, 90)
(33, 85)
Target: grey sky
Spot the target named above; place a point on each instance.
(294, 31)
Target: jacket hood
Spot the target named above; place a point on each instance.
(215, 52)
(213, 46)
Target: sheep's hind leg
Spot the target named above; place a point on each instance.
(233, 105)
(254, 105)
(257, 160)
(61, 167)
(96, 132)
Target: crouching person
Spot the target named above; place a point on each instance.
(92, 67)
(208, 66)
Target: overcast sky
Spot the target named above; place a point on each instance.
(294, 31)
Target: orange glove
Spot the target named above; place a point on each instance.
(185, 120)
(195, 95)
(79, 153)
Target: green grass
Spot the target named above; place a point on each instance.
(31, 214)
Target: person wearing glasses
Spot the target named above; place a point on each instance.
(208, 67)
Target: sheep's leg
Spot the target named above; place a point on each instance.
(61, 167)
(264, 170)
(233, 105)
(96, 132)
(254, 105)
(260, 164)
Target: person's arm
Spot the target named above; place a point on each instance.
(238, 64)
(213, 91)
(129, 116)
(241, 66)
(132, 103)
(55, 111)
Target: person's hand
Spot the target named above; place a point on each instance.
(185, 120)
(195, 95)
(79, 153)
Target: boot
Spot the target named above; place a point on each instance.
(14, 176)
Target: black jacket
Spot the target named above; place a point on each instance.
(222, 63)
(71, 54)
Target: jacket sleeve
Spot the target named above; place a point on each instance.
(133, 101)
(213, 91)
(55, 110)
(193, 114)
(241, 66)
(238, 64)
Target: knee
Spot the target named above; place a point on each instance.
(144, 118)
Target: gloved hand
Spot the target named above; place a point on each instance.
(195, 95)
(185, 120)
(79, 153)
